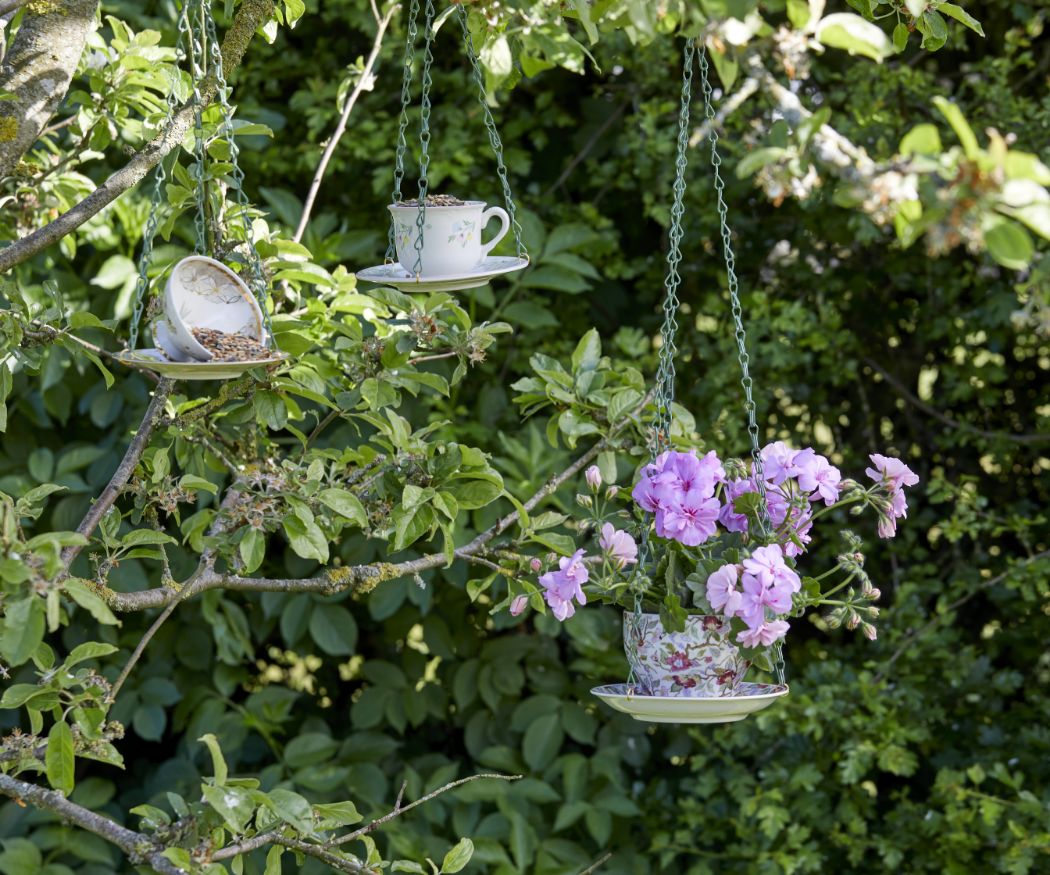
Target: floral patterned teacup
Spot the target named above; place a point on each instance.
(204, 293)
(700, 662)
(451, 236)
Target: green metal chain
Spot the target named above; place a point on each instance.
(738, 321)
(660, 432)
(494, 137)
(402, 125)
(256, 278)
(159, 177)
(198, 70)
(424, 131)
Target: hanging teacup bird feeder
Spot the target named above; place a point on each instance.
(695, 675)
(213, 323)
(435, 241)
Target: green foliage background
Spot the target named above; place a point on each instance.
(924, 752)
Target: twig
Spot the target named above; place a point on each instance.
(398, 811)
(595, 866)
(592, 141)
(138, 847)
(912, 637)
(916, 401)
(364, 578)
(57, 126)
(140, 648)
(730, 105)
(250, 15)
(124, 471)
(365, 80)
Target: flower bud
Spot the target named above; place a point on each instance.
(535, 564)
(612, 492)
(593, 477)
(584, 500)
(873, 611)
(517, 607)
(874, 594)
(870, 632)
(853, 621)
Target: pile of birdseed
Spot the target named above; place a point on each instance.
(226, 347)
(435, 200)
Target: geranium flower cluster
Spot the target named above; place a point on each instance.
(766, 585)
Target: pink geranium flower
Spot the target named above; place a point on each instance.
(778, 462)
(565, 584)
(763, 635)
(619, 545)
(817, 476)
(690, 520)
(893, 472)
(722, 592)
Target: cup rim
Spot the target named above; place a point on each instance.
(431, 207)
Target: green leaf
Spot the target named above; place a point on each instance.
(346, 504)
(252, 550)
(923, 139)
(900, 36)
(844, 30)
(85, 596)
(59, 759)
(758, 159)
(20, 857)
(88, 650)
(190, 481)
(333, 629)
(273, 860)
(306, 539)
(458, 857)
(218, 761)
(293, 809)
(233, 804)
(962, 129)
(336, 814)
(140, 537)
(588, 352)
(542, 741)
(962, 16)
(23, 630)
(1009, 244)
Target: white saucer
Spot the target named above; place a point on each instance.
(155, 360)
(395, 275)
(685, 709)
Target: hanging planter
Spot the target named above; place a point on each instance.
(214, 324)
(437, 239)
(703, 557)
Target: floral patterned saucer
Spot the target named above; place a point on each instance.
(157, 361)
(749, 698)
(406, 281)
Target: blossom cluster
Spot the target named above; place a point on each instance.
(765, 582)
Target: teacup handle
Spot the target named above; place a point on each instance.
(486, 217)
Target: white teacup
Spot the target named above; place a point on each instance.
(451, 236)
(204, 293)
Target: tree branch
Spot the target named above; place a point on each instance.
(37, 72)
(362, 578)
(365, 81)
(139, 848)
(250, 15)
(124, 470)
(916, 401)
(914, 636)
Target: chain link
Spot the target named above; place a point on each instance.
(738, 321)
(159, 177)
(197, 57)
(424, 132)
(402, 125)
(494, 137)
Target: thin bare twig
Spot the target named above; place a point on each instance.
(916, 401)
(597, 864)
(914, 636)
(124, 470)
(365, 81)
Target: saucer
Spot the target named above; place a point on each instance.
(395, 275)
(155, 360)
(685, 709)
